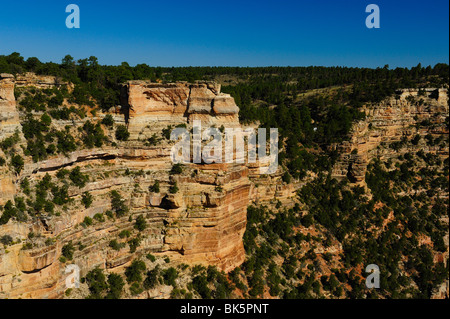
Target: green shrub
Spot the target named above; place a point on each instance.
(134, 272)
(60, 195)
(136, 289)
(96, 281)
(65, 142)
(25, 185)
(286, 178)
(140, 224)
(68, 250)
(99, 217)
(68, 292)
(93, 135)
(122, 133)
(17, 163)
(114, 244)
(134, 244)
(116, 284)
(88, 221)
(153, 140)
(46, 120)
(108, 120)
(62, 173)
(170, 275)
(155, 187)
(6, 240)
(118, 204)
(176, 169)
(10, 141)
(151, 281)
(174, 188)
(110, 214)
(124, 233)
(200, 284)
(78, 178)
(49, 241)
(9, 211)
(87, 199)
(166, 132)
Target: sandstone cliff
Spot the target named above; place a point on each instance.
(203, 223)
(9, 124)
(174, 103)
(390, 121)
(9, 116)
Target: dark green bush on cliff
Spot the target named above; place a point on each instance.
(68, 250)
(6, 240)
(9, 211)
(87, 199)
(134, 272)
(122, 133)
(93, 135)
(155, 187)
(78, 179)
(108, 120)
(17, 163)
(173, 189)
(140, 224)
(100, 288)
(118, 204)
(176, 169)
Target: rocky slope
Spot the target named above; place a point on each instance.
(202, 223)
(412, 122)
(388, 122)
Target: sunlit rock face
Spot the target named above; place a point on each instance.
(9, 116)
(202, 223)
(9, 124)
(390, 121)
(160, 105)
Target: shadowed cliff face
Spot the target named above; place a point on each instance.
(202, 223)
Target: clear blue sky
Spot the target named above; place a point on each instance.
(230, 33)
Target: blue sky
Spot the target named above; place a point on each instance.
(230, 33)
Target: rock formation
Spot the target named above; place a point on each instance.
(9, 116)
(39, 81)
(9, 124)
(203, 223)
(388, 122)
(160, 105)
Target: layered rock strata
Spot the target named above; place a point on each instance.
(158, 105)
(202, 223)
(390, 121)
(9, 124)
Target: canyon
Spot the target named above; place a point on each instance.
(388, 122)
(205, 220)
(203, 223)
